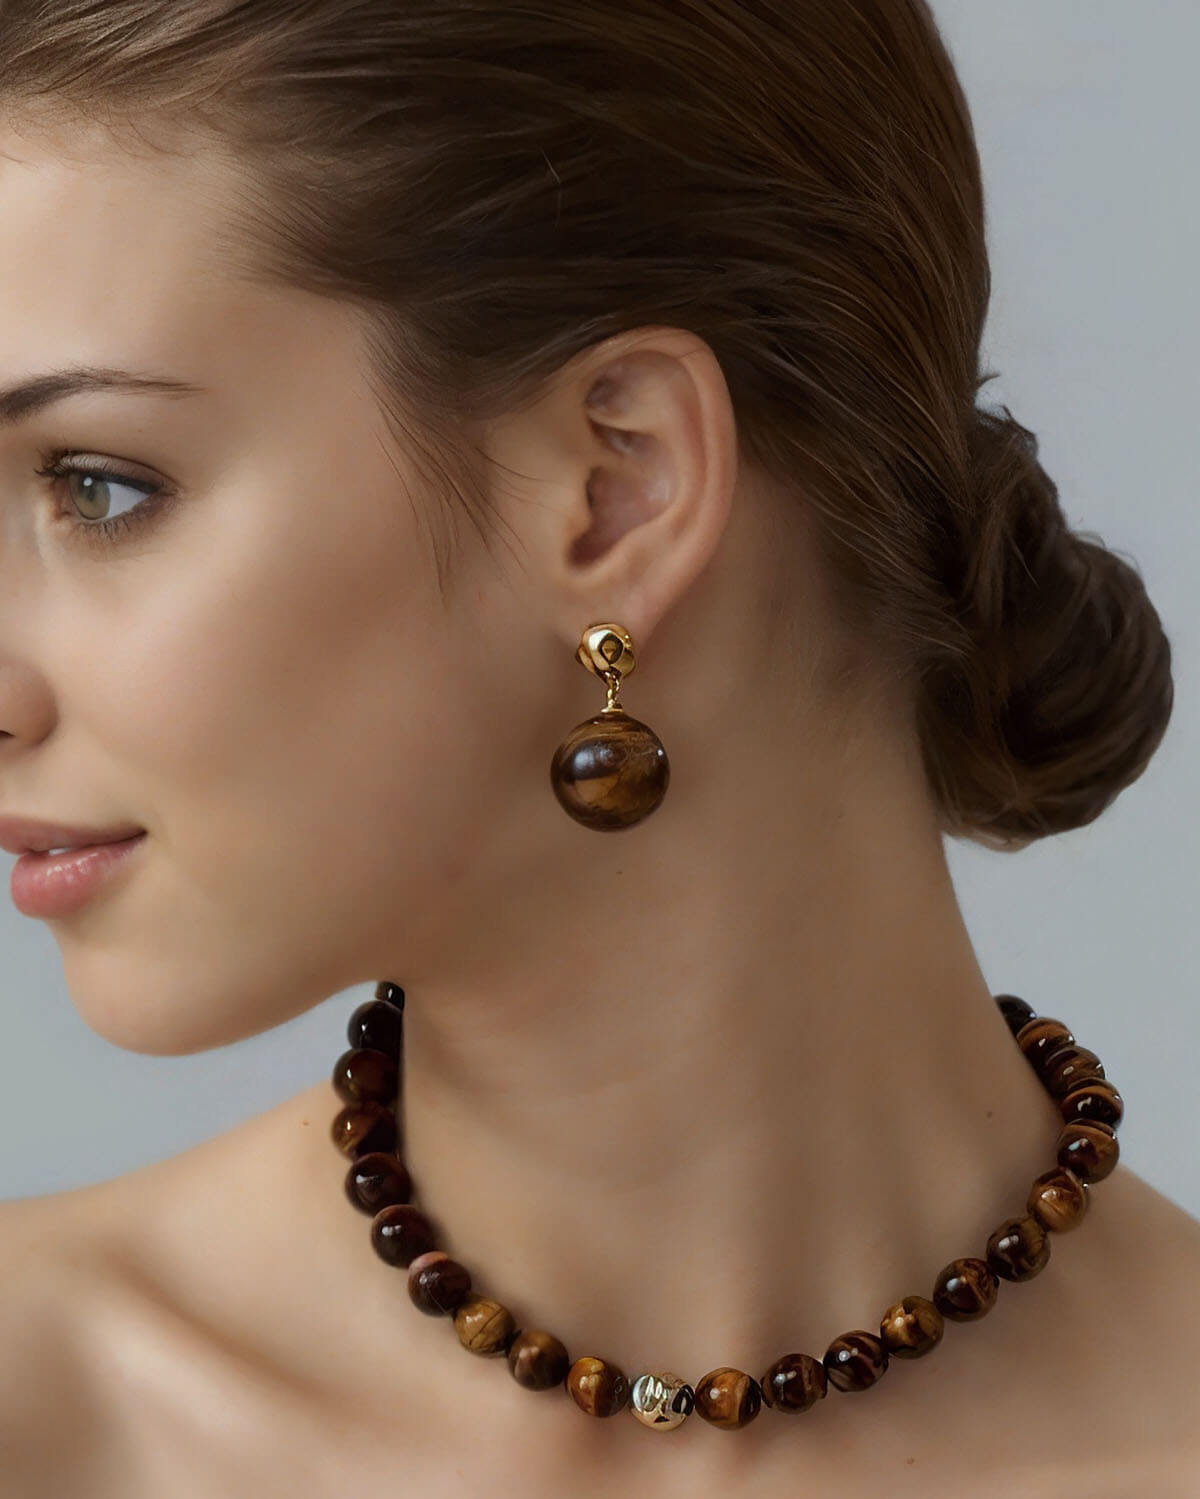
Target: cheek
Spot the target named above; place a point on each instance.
(302, 733)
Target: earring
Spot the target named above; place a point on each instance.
(611, 770)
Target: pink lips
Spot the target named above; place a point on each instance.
(46, 884)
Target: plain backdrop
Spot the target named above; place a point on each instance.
(1088, 124)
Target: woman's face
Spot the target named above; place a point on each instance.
(261, 671)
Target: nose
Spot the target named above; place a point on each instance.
(26, 708)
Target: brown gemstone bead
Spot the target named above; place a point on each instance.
(1058, 1199)
(912, 1327)
(965, 1289)
(1015, 1011)
(597, 1387)
(438, 1284)
(365, 1076)
(391, 994)
(794, 1382)
(610, 771)
(727, 1398)
(361, 1128)
(378, 1180)
(377, 1026)
(402, 1232)
(484, 1327)
(855, 1361)
(1041, 1037)
(1095, 1100)
(1063, 1069)
(1089, 1149)
(537, 1359)
(1019, 1249)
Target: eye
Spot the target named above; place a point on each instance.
(88, 493)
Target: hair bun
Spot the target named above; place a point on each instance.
(1068, 690)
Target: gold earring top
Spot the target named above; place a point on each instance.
(605, 648)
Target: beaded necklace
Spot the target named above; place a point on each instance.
(368, 1080)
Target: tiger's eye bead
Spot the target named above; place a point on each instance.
(912, 1327)
(537, 1359)
(661, 1402)
(378, 1180)
(361, 1128)
(402, 1232)
(365, 1076)
(597, 1387)
(376, 1026)
(390, 994)
(1089, 1149)
(855, 1361)
(1039, 1038)
(794, 1382)
(610, 771)
(1015, 1011)
(483, 1326)
(1018, 1249)
(1058, 1199)
(727, 1398)
(438, 1284)
(1095, 1101)
(966, 1288)
(1065, 1068)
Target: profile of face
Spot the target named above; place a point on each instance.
(259, 667)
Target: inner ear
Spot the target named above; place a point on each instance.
(623, 496)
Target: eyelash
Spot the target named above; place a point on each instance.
(58, 464)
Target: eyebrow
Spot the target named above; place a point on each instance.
(22, 401)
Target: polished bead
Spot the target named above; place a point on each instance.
(1058, 1199)
(610, 771)
(360, 1128)
(727, 1398)
(438, 1284)
(537, 1360)
(365, 1076)
(1096, 1101)
(965, 1289)
(794, 1382)
(1015, 1011)
(1063, 1069)
(1019, 1249)
(661, 1402)
(855, 1361)
(402, 1232)
(483, 1326)
(1041, 1037)
(1089, 1149)
(597, 1387)
(390, 994)
(378, 1180)
(912, 1327)
(379, 1027)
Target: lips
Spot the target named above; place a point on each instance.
(22, 835)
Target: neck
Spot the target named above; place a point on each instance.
(728, 1086)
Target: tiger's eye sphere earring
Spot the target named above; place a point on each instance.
(611, 770)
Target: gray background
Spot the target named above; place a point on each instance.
(1088, 125)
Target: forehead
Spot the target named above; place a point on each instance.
(101, 243)
(118, 255)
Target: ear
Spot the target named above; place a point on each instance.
(636, 453)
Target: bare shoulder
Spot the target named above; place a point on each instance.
(1151, 1258)
(49, 1412)
(130, 1366)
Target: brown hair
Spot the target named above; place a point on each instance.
(501, 186)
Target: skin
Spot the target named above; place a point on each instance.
(722, 1085)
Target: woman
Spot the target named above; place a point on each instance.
(417, 355)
